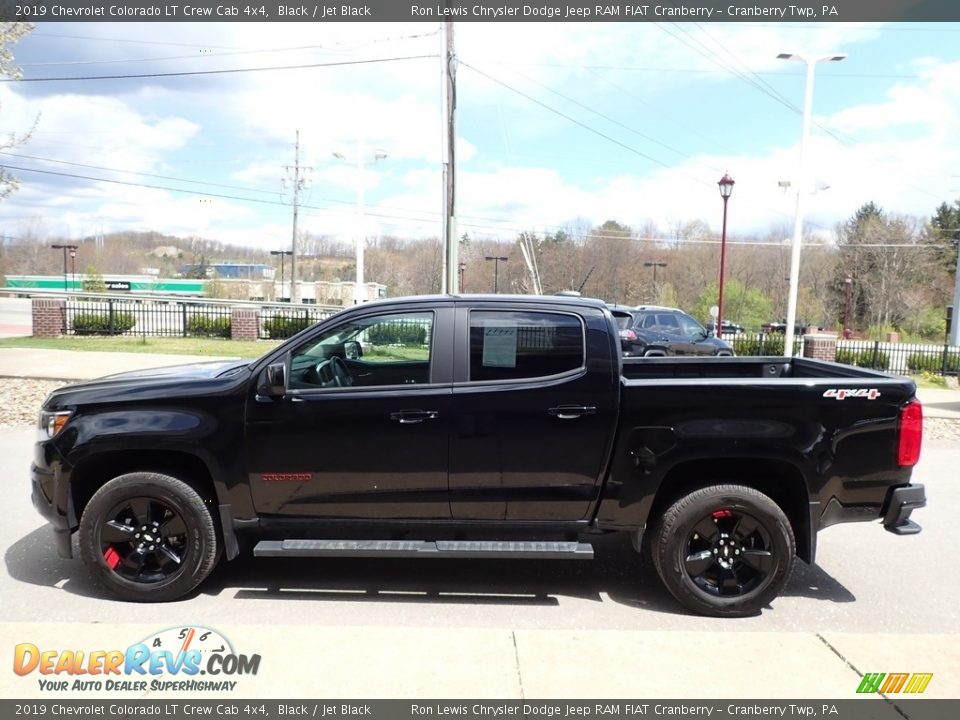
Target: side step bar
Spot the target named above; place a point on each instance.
(520, 549)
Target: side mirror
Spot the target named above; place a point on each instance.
(273, 381)
(352, 350)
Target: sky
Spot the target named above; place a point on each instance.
(559, 125)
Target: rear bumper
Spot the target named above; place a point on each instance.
(901, 501)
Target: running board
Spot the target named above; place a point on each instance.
(520, 549)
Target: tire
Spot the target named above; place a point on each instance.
(724, 550)
(148, 537)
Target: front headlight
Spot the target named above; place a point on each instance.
(53, 422)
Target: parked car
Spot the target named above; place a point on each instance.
(728, 328)
(799, 328)
(655, 331)
(505, 427)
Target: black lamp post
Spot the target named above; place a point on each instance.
(655, 265)
(847, 282)
(281, 253)
(497, 259)
(73, 256)
(726, 189)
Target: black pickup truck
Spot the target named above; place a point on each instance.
(475, 427)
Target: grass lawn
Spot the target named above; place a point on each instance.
(122, 343)
(930, 381)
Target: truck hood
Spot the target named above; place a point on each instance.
(193, 370)
(154, 383)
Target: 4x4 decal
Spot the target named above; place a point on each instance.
(843, 394)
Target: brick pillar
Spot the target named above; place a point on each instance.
(49, 317)
(244, 323)
(820, 347)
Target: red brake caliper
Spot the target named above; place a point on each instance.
(111, 557)
(720, 514)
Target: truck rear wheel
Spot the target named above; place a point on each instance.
(148, 537)
(724, 550)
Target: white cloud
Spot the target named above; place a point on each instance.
(899, 149)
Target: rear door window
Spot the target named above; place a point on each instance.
(513, 345)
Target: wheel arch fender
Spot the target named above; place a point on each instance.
(93, 470)
(781, 481)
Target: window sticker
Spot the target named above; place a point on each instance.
(499, 345)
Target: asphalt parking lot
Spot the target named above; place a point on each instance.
(486, 628)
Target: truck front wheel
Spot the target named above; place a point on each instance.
(724, 550)
(148, 537)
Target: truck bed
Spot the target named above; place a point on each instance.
(745, 367)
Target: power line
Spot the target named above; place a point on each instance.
(604, 116)
(570, 118)
(188, 73)
(229, 52)
(134, 172)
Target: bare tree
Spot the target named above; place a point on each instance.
(10, 33)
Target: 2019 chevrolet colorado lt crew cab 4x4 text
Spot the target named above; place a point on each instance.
(475, 427)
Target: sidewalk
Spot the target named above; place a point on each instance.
(77, 365)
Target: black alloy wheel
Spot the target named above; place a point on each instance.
(143, 540)
(148, 537)
(724, 550)
(729, 553)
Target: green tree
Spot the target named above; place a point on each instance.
(944, 235)
(93, 280)
(875, 251)
(742, 305)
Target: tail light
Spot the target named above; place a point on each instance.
(628, 335)
(911, 434)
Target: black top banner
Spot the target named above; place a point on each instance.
(483, 11)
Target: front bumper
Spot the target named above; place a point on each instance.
(49, 496)
(901, 501)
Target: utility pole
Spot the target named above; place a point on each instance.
(955, 326)
(451, 260)
(298, 184)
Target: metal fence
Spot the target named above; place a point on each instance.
(170, 317)
(902, 358)
(278, 322)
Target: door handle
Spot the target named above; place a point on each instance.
(413, 417)
(571, 412)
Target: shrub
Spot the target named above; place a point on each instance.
(401, 333)
(869, 358)
(205, 326)
(99, 323)
(933, 362)
(759, 345)
(280, 326)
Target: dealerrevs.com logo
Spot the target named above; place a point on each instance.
(188, 659)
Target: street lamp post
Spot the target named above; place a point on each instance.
(462, 267)
(801, 193)
(281, 253)
(359, 295)
(726, 189)
(847, 282)
(73, 255)
(497, 259)
(655, 265)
